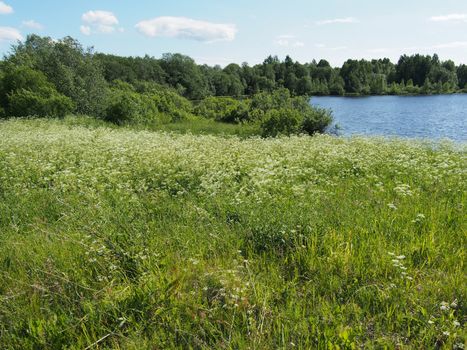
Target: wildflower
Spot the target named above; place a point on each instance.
(456, 323)
(400, 257)
(392, 206)
(444, 306)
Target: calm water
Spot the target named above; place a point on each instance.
(434, 117)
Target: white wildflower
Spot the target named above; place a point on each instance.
(444, 306)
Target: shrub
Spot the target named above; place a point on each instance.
(316, 120)
(122, 109)
(223, 109)
(147, 103)
(42, 104)
(275, 113)
(262, 102)
(26, 92)
(170, 103)
(281, 122)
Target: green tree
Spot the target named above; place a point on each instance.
(66, 64)
(26, 92)
(462, 76)
(183, 73)
(281, 122)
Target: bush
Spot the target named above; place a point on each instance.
(26, 92)
(170, 103)
(172, 106)
(222, 109)
(122, 109)
(263, 102)
(275, 113)
(316, 120)
(29, 103)
(281, 122)
(147, 103)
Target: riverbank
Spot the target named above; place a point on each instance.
(120, 238)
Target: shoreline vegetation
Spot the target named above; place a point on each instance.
(42, 77)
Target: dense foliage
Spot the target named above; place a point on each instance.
(24, 91)
(69, 67)
(416, 74)
(43, 77)
(277, 113)
(117, 239)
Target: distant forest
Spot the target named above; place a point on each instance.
(416, 74)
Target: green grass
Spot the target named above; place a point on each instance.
(203, 126)
(112, 238)
(198, 126)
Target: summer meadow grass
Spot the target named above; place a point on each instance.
(127, 239)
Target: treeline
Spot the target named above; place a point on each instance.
(46, 78)
(415, 74)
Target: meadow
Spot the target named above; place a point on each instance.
(113, 238)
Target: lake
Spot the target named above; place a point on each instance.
(433, 117)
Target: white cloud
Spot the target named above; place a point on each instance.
(100, 18)
(32, 24)
(86, 30)
(335, 48)
(102, 28)
(187, 28)
(451, 45)
(453, 17)
(347, 20)
(10, 34)
(5, 9)
(289, 41)
(98, 22)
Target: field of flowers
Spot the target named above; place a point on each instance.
(113, 238)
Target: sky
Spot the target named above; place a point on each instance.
(226, 31)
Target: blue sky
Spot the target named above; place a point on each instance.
(224, 31)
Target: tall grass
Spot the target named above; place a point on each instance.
(124, 239)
